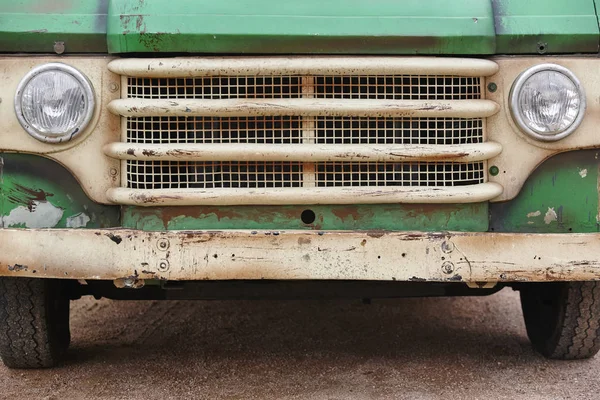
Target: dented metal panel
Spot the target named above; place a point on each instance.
(343, 255)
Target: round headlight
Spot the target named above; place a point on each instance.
(54, 102)
(547, 102)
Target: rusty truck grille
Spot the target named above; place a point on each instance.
(195, 129)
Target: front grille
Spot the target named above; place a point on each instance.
(182, 114)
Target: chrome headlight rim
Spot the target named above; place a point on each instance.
(516, 112)
(88, 91)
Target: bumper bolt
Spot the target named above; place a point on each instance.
(163, 244)
(448, 267)
(447, 246)
(163, 265)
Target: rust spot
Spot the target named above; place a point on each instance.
(364, 242)
(17, 267)
(417, 279)
(115, 238)
(148, 153)
(131, 152)
(346, 212)
(376, 234)
(303, 240)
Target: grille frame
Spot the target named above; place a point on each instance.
(307, 134)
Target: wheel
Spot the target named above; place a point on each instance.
(34, 322)
(563, 319)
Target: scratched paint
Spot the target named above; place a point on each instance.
(550, 216)
(554, 198)
(40, 214)
(79, 220)
(38, 193)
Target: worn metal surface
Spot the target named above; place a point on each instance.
(370, 255)
(561, 196)
(312, 26)
(315, 195)
(307, 107)
(306, 152)
(315, 65)
(471, 217)
(36, 192)
(545, 27)
(35, 26)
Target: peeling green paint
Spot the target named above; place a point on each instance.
(38, 193)
(561, 196)
(439, 217)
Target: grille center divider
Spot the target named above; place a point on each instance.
(351, 136)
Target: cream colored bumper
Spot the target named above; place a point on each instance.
(359, 255)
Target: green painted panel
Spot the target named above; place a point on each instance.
(560, 196)
(39, 193)
(459, 217)
(545, 27)
(35, 25)
(309, 26)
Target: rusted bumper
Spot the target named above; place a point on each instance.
(366, 255)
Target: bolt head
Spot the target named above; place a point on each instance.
(59, 47)
(447, 246)
(448, 267)
(163, 244)
(163, 265)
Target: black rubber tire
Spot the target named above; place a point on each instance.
(563, 319)
(34, 322)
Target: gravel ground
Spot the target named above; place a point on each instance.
(432, 348)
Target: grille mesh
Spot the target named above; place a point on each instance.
(208, 175)
(398, 87)
(328, 130)
(299, 130)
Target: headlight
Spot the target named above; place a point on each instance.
(547, 102)
(54, 102)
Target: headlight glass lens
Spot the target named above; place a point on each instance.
(547, 102)
(54, 103)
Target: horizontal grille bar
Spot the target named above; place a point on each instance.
(317, 195)
(306, 152)
(248, 66)
(303, 107)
